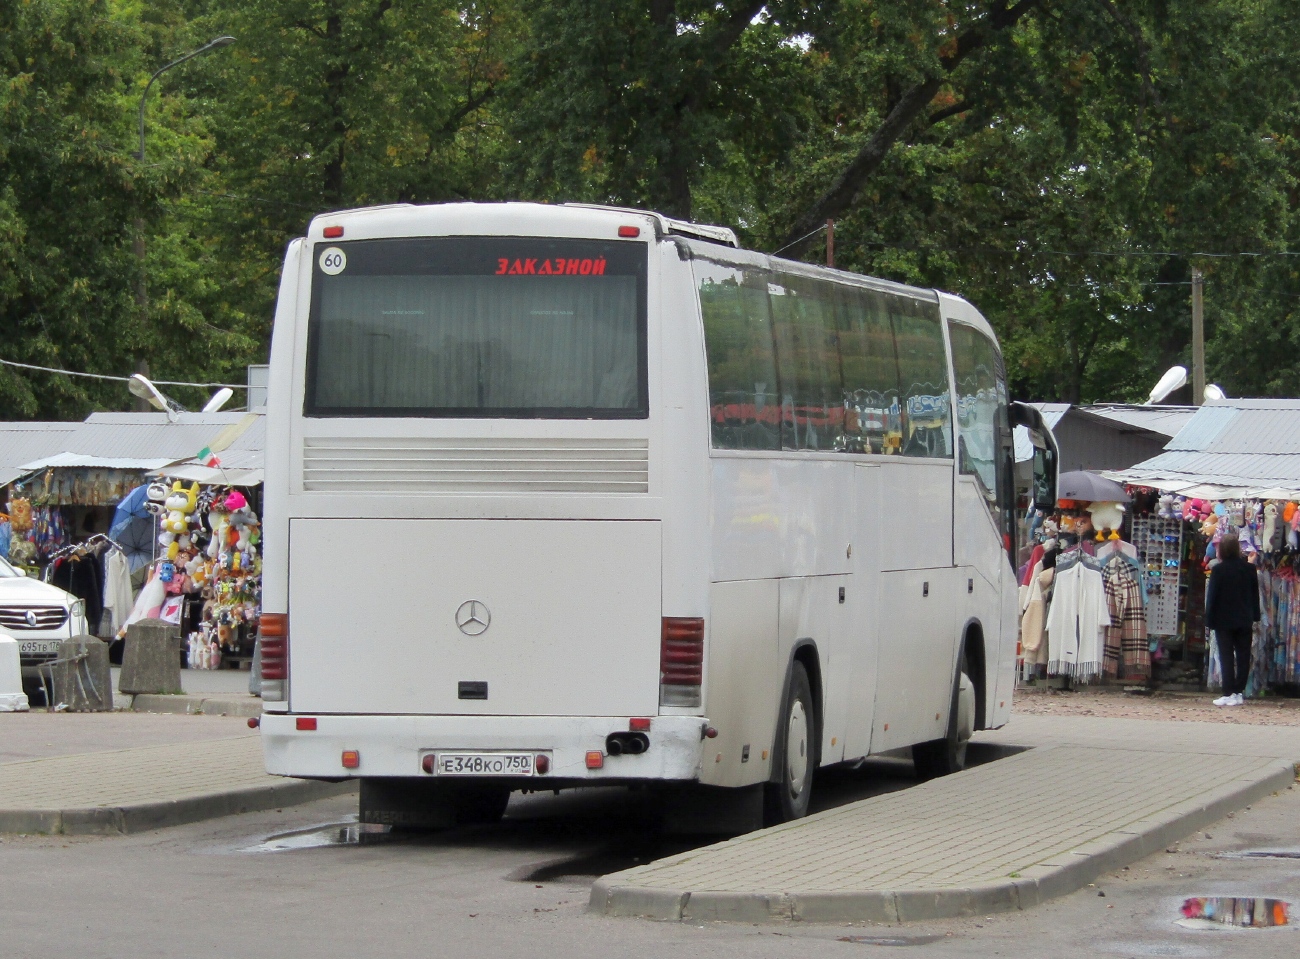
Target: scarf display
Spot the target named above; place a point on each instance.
(1127, 654)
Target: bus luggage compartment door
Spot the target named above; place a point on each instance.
(475, 617)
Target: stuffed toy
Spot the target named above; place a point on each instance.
(1107, 518)
(155, 496)
(180, 509)
(243, 521)
(20, 514)
(1270, 537)
(1165, 506)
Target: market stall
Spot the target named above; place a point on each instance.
(1234, 468)
(207, 576)
(1083, 600)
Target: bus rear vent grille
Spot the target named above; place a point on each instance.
(404, 465)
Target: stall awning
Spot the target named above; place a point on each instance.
(210, 476)
(86, 461)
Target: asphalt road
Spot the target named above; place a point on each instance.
(301, 883)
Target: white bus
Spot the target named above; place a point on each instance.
(566, 495)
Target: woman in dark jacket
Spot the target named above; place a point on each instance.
(1231, 609)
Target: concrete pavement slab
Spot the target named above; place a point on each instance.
(1093, 795)
(145, 787)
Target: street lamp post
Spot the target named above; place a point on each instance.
(210, 45)
(141, 291)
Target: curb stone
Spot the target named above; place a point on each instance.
(192, 705)
(1058, 876)
(141, 817)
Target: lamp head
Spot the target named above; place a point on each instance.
(220, 42)
(219, 399)
(1174, 377)
(145, 390)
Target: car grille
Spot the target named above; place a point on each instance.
(46, 617)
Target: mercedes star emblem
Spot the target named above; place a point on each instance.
(473, 617)
(31, 618)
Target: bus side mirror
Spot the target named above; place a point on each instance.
(1043, 488)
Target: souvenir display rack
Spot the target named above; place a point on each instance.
(1159, 544)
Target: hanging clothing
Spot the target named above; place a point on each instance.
(1075, 621)
(1033, 615)
(1034, 557)
(1127, 652)
(79, 575)
(117, 593)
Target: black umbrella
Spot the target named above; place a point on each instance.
(1082, 485)
(136, 537)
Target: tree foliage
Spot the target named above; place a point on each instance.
(1062, 163)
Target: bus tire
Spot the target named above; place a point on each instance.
(788, 796)
(942, 757)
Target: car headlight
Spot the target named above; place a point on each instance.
(77, 610)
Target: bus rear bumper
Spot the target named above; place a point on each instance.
(395, 746)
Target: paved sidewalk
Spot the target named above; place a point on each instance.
(193, 768)
(1093, 795)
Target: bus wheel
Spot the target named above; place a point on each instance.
(941, 757)
(788, 797)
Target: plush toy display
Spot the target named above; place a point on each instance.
(1107, 516)
(20, 514)
(180, 505)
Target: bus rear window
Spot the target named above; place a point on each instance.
(508, 327)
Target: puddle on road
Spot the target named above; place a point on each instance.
(322, 837)
(1238, 911)
(891, 940)
(1260, 854)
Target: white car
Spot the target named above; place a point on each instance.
(39, 616)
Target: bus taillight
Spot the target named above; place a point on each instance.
(681, 661)
(274, 638)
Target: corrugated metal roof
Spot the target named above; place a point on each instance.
(1260, 431)
(22, 442)
(1227, 469)
(1165, 420)
(1206, 426)
(146, 438)
(242, 460)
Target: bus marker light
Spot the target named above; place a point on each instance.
(306, 724)
(351, 759)
(542, 764)
(631, 232)
(254, 722)
(333, 232)
(427, 762)
(638, 725)
(764, 753)
(710, 732)
(595, 759)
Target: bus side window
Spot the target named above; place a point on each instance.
(812, 389)
(923, 376)
(744, 409)
(982, 417)
(873, 405)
